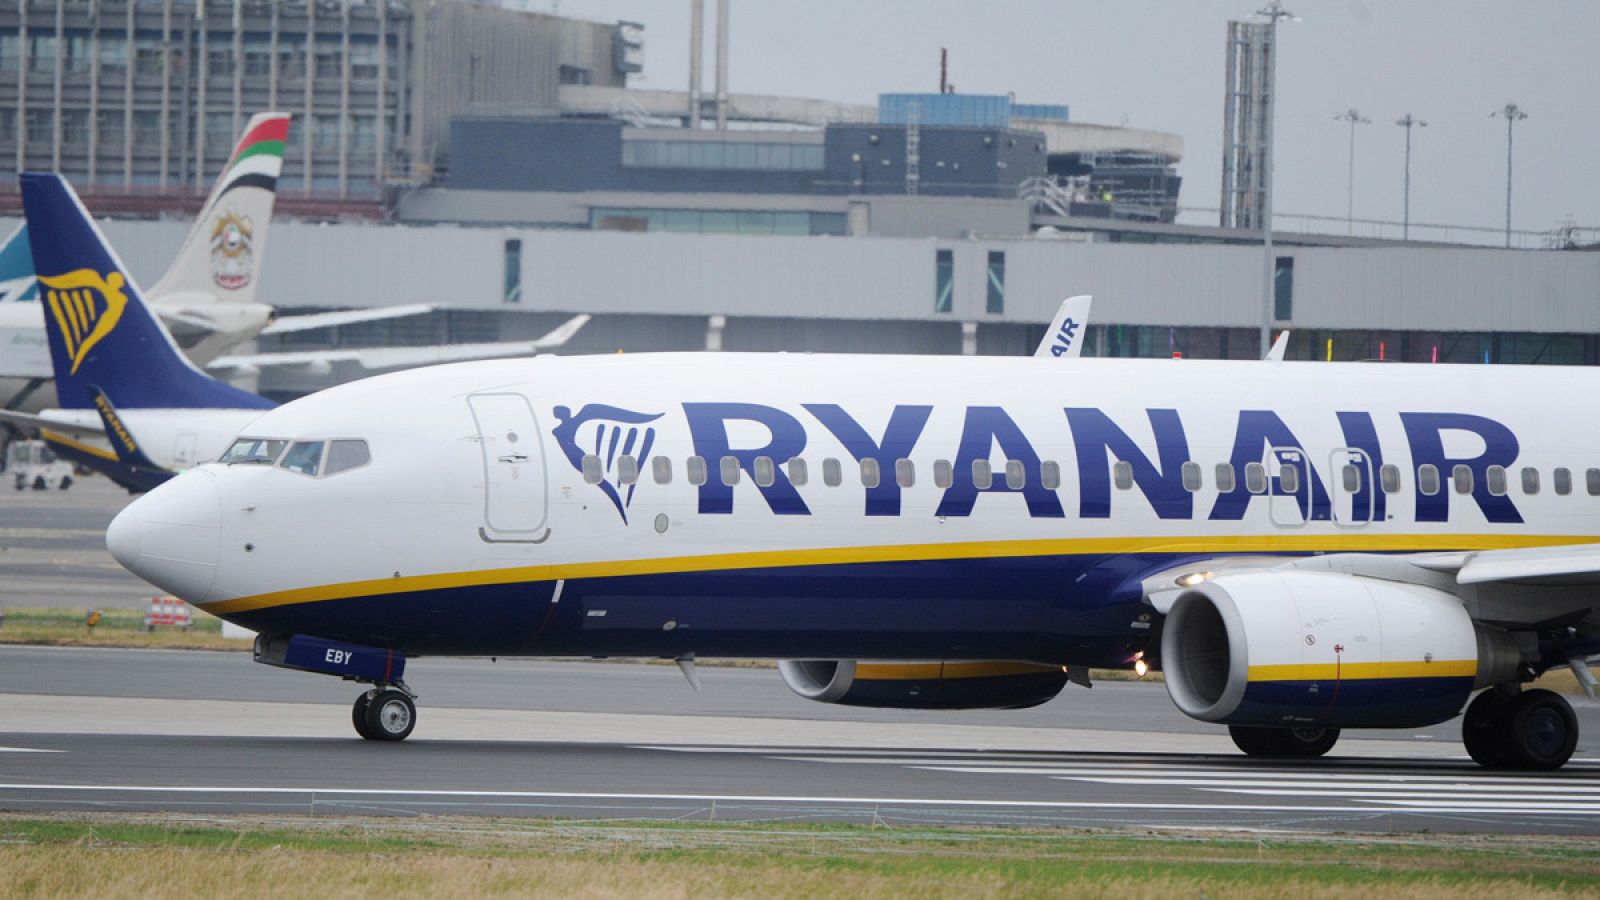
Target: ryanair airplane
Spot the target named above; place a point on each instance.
(1301, 548)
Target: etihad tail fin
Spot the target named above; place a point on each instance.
(221, 258)
(100, 332)
(16, 268)
(1064, 338)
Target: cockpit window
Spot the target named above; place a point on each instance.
(344, 455)
(254, 450)
(304, 457)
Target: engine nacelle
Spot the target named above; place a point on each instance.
(923, 685)
(1326, 649)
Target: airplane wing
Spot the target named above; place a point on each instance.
(1275, 352)
(376, 358)
(1571, 564)
(1064, 338)
(84, 422)
(287, 324)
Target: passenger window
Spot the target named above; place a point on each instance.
(1050, 474)
(982, 474)
(832, 474)
(346, 455)
(1255, 478)
(905, 473)
(1428, 479)
(942, 473)
(1495, 478)
(797, 471)
(1352, 478)
(627, 469)
(1390, 475)
(663, 469)
(696, 470)
(1563, 481)
(1592, 476)
(1289, 479)
(766, 471)
(1016, 476)
(1225, 482)
(1530, 480)
(1462, 476)
(1191, 476)
(1122, 474)
(870, 476)
(729, 467)
(593, 472)
(304, 457)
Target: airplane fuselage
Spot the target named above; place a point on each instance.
(949, 508)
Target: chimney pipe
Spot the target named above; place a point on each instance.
(944, 61)
(722, 64)
(697, 32)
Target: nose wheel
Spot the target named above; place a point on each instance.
(384, 714)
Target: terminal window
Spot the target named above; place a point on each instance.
(513, 270)
(997, 283)
(944, 280)
(1283, 289)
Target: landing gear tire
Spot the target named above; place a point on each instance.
(66, 482)
(1482, 728)
(358, 715)
(390, 716)
(1541, 731)
(1283, 743)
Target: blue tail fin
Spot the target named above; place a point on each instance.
(102, 336)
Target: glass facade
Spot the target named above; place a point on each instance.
(1283, 289)
(716, 221)
(995, 299)
(512, 290)
(723, 155)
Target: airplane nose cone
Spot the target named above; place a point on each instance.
(171, 536)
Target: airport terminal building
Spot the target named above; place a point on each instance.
(496, 164)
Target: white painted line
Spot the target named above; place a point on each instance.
(27, 750)
(1131, 775)
(1287, 787)
(312, 792)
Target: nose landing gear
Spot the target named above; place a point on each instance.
(385, 713)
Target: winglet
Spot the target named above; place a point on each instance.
(16, 268)
(562, 333)
(99, 330)
(128, 451)
(1275, 354)
(1064, 338)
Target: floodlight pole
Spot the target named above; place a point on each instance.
(1355, 118)
(1512, 115)
(1272, 12)
(1406, 122)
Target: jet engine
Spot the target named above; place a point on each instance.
(923, 685)
(1328, 650)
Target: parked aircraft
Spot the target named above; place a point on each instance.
(119, 373)
(1300, 549)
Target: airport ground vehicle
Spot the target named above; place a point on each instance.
(32, 464)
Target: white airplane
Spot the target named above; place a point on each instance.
(207, 297)
(1334, 546)
(120, 375)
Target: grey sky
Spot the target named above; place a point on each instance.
(1159, 65)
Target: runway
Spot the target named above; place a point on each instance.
(213, 733)
(53, 548)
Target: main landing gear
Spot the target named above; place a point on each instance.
(1529, 730)
(1283, 743)
(385, 713)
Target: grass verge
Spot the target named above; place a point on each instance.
(125, 856)
(117, 628)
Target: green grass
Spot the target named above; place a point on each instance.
(120, 855)
(117, 628)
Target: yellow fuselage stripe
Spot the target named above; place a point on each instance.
(1293, 543)
(1448, 668)
(56, 437)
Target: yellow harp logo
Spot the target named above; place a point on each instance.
(86, 306)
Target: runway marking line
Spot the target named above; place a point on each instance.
(28, 750)
(1418, 807)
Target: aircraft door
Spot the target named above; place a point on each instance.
(514, 492)
(183, 451)
(1288, 481)
(1353, 487)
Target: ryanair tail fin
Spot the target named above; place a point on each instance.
(221, 257)
(100, 332)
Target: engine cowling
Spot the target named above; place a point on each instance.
(1326, 649)
(923, 685)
